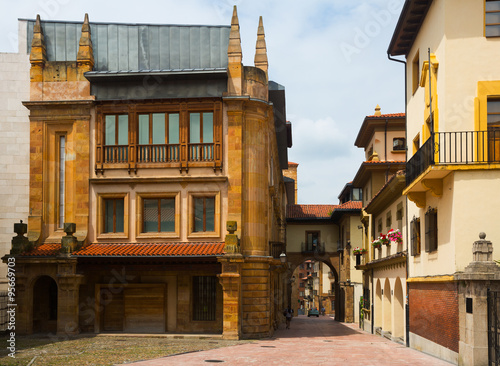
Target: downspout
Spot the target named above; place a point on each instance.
(373, 307)
(407, 305)
(385, 150)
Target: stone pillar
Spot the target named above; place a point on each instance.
(230, 280)
(68, 283)
(479, 276)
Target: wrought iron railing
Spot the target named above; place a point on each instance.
(276, 248)
(158, 153)
(313, 248)
(455, 148)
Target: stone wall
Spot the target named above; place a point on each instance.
(14, 143)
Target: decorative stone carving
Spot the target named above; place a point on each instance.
(69, 243)
(232, 244)
(20, 243)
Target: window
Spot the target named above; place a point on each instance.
(158, 137)
(201, 136)
(116, 138)
(204, 298)
(416, 72)
(113, 215)
(493, 111)
(62, 178)
(492, 18)
(415, 236)
(158, 215)
(388, 220)
(302, 285)
(431, 237)
(357, 194)
(399, 144)
(312, 241)
(416, 143)
(379, 226)
(204, 214)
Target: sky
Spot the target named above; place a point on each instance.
(331, 56)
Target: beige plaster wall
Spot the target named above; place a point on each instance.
(296, 234)
(14, 143)
(379, 140)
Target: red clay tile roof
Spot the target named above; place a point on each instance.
(291, 163)
(388, 115)
(310, 211)
(351, 205)
(385, 162)
(136, 250)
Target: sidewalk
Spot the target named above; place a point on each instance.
(310, 341)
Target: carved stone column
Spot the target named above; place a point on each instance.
(230, 279)
(479, 276)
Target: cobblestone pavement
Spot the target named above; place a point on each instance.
(310, 341)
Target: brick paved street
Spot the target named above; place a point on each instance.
(310, 341)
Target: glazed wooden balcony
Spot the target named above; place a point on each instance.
(455, 148)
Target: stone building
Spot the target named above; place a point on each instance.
(14, 142)
(147, 143)
(452, 172)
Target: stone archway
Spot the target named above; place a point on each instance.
(398, 306)
(378, 305)
(294, 261)
(387, 313)
(45, 298)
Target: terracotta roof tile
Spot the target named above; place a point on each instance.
(291, 163)
(310, 211)
(385, 162)
(136, 250)
(388, 115)
(351, 205)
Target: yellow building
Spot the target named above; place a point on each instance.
(148, 144)
(452, 173)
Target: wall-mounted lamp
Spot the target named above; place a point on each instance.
(283, 257)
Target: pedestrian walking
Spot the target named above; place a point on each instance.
(288, 313)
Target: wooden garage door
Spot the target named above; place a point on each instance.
(112, 311)
(144, 309)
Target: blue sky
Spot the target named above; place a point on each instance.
(331, 56)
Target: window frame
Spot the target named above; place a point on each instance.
(493, 25)
(399, 147)
(415, 236)
(415, 72)
(116, 129)
(140, 197)
(431, 230)
(191, 215)
(101, 216)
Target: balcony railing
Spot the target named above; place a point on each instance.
(455, 148)
(276, 248)
(313, 248)
(201, 152)
(158, 153)
(116, 154)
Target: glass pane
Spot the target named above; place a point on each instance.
(119, 216)
(194, 127)
(109, 135)
(198, 214)
(108, 216)
(492, 31)
(492, 18)
(210, 214)
(173, 128)
(159, 128)
(208, 127)
(492, 5)
(143, 129)
(150, 215)
(123, 130)
(167, 215)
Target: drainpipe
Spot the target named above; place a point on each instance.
(407, 306)
(385, 139)
(373, 307)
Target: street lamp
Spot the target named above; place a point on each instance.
(283, 257)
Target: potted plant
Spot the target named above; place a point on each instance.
(358, 251)
(395, 236)
(377, 243)
(384, 240)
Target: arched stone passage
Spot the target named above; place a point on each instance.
(387, 313)
(45, 305)
(399, 318)
(295, 259)
(378, 305)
